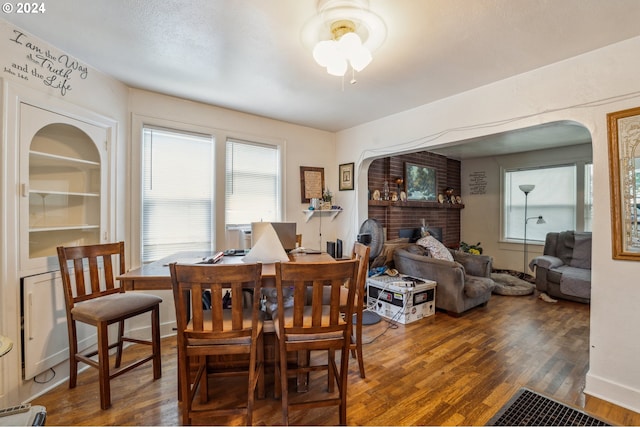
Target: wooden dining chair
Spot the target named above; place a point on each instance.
(315, 325)
(92, 297)
(217, 332)
(360, 252)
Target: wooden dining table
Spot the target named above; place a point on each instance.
(156, 276)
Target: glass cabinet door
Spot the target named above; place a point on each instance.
(62, 184)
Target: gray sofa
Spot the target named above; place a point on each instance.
(564, 269)
(461, 284)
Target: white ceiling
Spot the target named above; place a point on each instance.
(247, 55)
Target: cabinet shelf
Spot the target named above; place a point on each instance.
(62, 193)
(39, 158)
(63, 228)
(63, 186)
(331, 212)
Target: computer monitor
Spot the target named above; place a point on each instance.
(286, 232)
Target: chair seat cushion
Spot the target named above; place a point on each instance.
(247, 315)
(477, 286)
(576, 282)
(114, 306)
(288, 322)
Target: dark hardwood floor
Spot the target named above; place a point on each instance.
(441, 370)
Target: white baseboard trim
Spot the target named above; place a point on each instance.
(612, 392)
(166, 330)
(33, 390)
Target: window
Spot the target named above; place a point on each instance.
(588, 196)
(252, 191)
(177, 194)
(554, 197)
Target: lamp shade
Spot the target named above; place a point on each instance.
(360, 59)
(349, 44)
(527, 188)
(337, 66)
(345, 49)
(267, 249)
(324, 51)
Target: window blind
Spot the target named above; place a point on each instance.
(554, 197)
(177, 196)
(252, 191)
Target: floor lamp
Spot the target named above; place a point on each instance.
(526, 189)
(539, 221)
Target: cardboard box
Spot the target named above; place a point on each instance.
(403, 299)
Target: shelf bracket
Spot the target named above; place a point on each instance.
(310, 212)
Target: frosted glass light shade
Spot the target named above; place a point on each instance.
(336, 56)
(324, 51)
(337, 67)
(361, 59)
(349, 44)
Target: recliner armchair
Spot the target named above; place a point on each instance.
(564, 269)
(461, 284)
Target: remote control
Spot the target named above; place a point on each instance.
(15, 409)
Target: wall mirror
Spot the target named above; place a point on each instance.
(624, 166)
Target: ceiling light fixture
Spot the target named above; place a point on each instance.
(345, 49)
(343, 35)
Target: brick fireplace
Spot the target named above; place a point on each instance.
(397, 215)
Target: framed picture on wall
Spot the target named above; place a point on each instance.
(311, 183)
(345, 177)
(624, 169)
(420, 183)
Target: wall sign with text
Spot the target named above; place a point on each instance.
(478, 182)
(39, 62)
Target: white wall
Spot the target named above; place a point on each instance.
(583, 89)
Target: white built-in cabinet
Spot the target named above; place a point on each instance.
(62, 187)
(44, 325)
(64, 176)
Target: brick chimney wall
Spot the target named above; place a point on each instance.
(399, 215)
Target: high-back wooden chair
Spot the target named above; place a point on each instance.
(317, 325)
(217, 331)
(360, 252)
(92, 297)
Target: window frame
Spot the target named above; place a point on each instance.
(208, 203)
(130, 195)
(279, 180)
(580, 170)
(133, 213)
